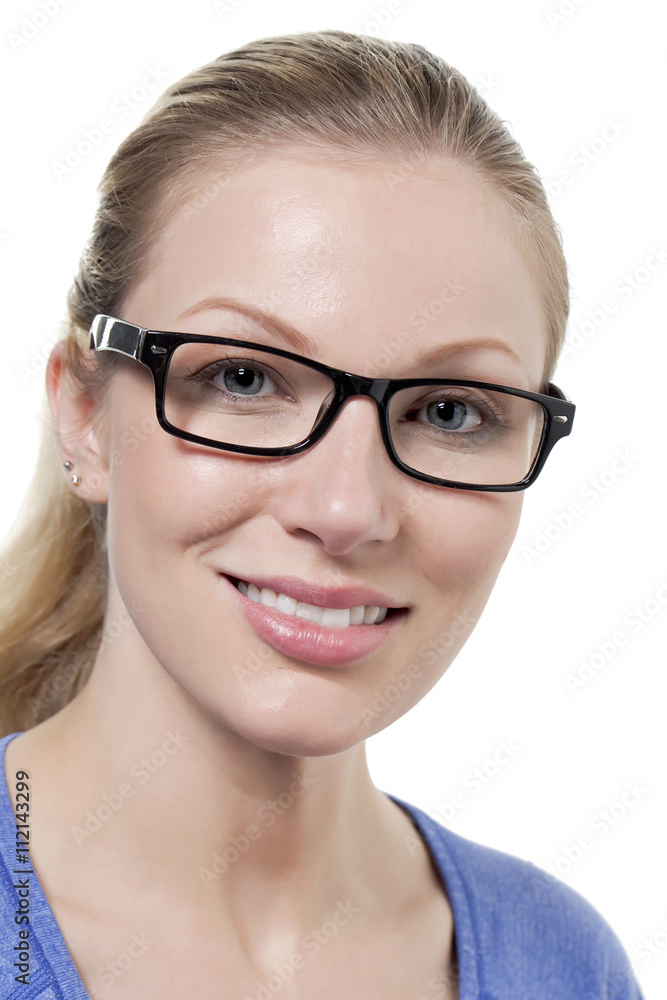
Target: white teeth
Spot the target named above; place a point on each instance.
(286, 604)
(309, 612)
(332, 617)
(336, 617)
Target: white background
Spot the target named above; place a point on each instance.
(558, 78)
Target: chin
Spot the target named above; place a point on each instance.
(299, 728)
(304, 744)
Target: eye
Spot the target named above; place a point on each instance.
(243, 379)
(449, 414)
(453, 415)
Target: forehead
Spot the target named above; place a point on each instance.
(351, 253)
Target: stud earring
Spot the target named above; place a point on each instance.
(76, 480)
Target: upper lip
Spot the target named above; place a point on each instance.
(324, 597)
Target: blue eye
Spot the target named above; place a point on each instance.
(452, 415)
(240, 379)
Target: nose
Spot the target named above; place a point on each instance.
(343, 490)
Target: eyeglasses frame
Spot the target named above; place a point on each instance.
(154, 349)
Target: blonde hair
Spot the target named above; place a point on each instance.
(357, 95)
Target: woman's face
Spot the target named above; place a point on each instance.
(371, 266)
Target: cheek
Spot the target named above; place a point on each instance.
(462, 538)
(166, 504)
(459, 546)
(167, 510)
(170, 504)
(166, 495)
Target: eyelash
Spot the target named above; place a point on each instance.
(210, 371)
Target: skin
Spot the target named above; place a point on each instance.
(346, 256)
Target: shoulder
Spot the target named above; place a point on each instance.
(524, 928)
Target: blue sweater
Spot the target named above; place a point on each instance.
(520, 933)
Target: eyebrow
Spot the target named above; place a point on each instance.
(270, 322)
(302, 345)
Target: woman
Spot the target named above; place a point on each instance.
(238, 550)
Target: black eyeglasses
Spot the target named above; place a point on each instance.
(257, 400)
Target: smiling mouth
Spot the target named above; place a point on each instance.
(363, 614)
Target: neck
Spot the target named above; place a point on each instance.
(134, 780)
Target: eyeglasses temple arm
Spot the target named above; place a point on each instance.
(109, 334)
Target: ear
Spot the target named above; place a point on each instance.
(79, 427)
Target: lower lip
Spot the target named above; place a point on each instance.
(310, 643)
